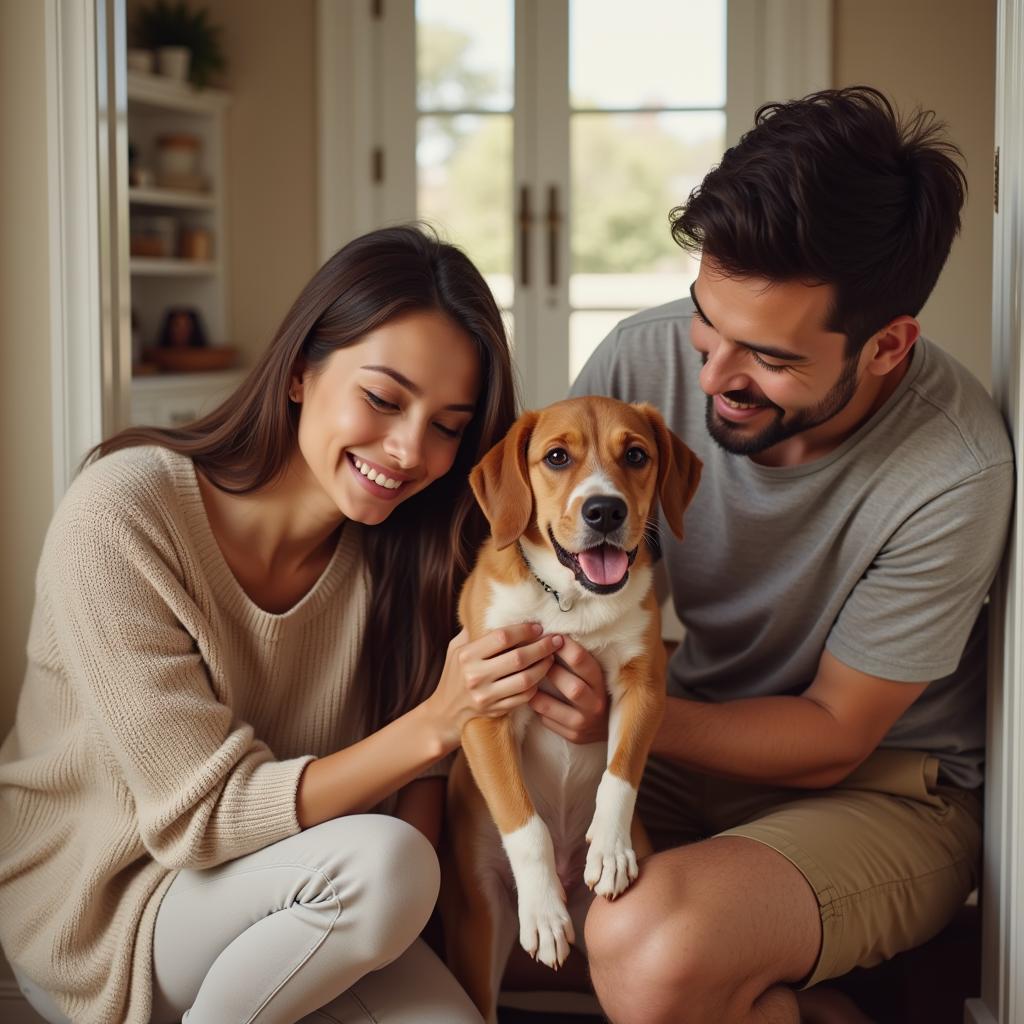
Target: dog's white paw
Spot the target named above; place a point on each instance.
(545, 929)
(611, 862)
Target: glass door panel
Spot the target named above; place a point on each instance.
(647, 120)
(464, 159)
(556, 135)
(647, 54)
(464, 188)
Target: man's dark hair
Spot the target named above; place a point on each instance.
(838, 189)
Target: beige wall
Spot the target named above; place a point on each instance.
(271, 157)
(939, 54)
(26, 489)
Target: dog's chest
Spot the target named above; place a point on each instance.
(612, 627)
(562, 777)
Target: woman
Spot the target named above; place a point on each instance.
(240, 646)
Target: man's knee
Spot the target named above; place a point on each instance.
(639, 977)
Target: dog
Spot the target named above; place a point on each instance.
(570, 494)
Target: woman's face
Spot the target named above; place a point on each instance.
(383, 418)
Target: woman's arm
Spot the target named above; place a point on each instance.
(485, 677)
(354, 779)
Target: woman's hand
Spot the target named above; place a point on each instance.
(489, 677)
(580, 715)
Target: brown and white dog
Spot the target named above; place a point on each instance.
(570, 493)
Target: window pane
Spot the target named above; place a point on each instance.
(647, 53)
(586, 331)
(464, 54)
(510, 326)
(503, 288)
(633, 291)
(628, 172)
(464, 172)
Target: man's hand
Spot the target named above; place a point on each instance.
(580, 712)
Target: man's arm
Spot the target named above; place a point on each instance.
(812, 741)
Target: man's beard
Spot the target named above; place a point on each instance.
(733, 440)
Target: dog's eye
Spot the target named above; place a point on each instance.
(557, 457)
(637, 457)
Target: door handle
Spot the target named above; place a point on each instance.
(554, 223)
(525, 223)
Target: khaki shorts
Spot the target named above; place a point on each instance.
(890, 854)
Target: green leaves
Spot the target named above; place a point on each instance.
(173, 23)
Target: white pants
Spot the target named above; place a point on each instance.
(321, 927)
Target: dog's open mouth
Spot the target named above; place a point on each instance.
(604, 565)
(604, 569)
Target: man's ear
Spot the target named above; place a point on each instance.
(888, 347)
(501, 483)
(678, 470)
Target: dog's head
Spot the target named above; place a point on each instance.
(584, 477)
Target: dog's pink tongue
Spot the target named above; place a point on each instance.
(605, 564)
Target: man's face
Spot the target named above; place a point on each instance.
(771, 368)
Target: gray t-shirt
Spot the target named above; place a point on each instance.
(881, 551)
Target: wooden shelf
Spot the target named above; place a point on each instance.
(177, 198)
(148, 266)
(168, 94)
(146, 383)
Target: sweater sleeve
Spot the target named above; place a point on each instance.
(205, 789)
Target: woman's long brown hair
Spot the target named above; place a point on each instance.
(420, 555)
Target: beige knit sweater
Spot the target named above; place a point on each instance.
(164, 723)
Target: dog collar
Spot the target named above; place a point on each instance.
(565, 602)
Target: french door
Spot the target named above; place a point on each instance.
(550, 139)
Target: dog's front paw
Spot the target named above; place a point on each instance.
(545, 929)
(611, 862)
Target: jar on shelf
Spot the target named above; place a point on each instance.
(195, 243)
(154, 237)
(177, 158)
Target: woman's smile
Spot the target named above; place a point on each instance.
(377, 480)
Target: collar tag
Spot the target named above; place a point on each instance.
(564, 601)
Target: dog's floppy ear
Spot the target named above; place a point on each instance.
(501, 483)
(678, 470)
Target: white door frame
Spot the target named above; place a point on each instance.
(73, 169)
(80, 347)
(1002, 995)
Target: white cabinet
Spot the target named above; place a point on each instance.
(174, 399)
(177, 227)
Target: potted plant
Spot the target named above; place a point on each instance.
(171, 25)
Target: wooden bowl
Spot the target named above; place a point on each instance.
(193, 360)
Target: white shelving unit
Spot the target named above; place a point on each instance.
(174, 399)
(160, 106)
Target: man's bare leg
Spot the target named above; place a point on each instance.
(711, 931)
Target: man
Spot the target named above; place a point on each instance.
(813, 789)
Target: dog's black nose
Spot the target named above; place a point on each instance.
(604, 513)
